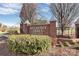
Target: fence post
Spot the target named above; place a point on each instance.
(53, 32)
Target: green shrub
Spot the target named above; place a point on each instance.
(12, 31)
(29, 44)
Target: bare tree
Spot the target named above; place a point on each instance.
(28, 12)
(65, 13)
(4, 28)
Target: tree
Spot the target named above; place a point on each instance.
(28, 12)
(65, 13)
(4, 28)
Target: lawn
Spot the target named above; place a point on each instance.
(2, 32)
(69, 32)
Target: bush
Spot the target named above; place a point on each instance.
(29, 44)
(12, 31)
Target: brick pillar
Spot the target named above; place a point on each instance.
(53, 32)
(53, 29)
(21, 28)
(76, 34)
(77, 31)
(25, 28)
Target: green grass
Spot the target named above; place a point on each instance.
(1, 33)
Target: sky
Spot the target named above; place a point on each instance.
(9, 13)
(44, 11)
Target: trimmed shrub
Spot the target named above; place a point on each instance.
(12, 31)
(29, 44)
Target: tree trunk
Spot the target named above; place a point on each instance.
(62, 31)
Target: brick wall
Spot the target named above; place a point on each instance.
(47, 29)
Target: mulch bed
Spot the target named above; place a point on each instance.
(63, 51)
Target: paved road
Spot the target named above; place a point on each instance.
(3, 46)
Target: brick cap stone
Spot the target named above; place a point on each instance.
(52, 20)
(27, 22)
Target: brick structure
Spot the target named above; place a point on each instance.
(46, 29)
(77, 28)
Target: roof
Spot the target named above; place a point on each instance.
(52, 19)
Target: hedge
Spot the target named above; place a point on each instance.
(11, 31)
(29, 44)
